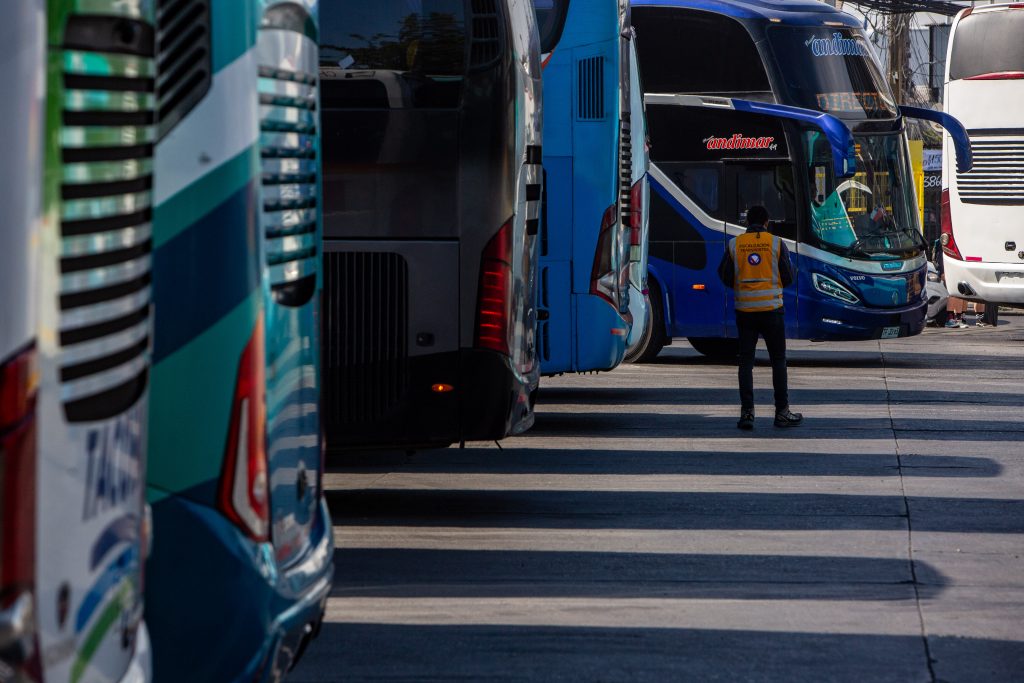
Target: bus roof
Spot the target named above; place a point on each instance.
(791, 12)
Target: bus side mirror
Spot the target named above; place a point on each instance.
(838, 134)
(956, 130)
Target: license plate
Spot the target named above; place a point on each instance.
(890, 332)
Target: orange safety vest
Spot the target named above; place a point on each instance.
(758, 286)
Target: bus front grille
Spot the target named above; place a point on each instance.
(106, 137)
(365, 336)
(998, 173)
(288, 152)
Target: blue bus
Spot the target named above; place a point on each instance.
(750, 102)
(584, 298)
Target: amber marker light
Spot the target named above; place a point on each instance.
(700, 287)
(442, 388)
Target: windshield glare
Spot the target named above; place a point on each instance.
(831, 70)
(874, 213)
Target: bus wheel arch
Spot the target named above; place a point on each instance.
(654, 338)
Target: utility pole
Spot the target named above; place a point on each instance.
(898, 30)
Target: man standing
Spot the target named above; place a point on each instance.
(756, 266)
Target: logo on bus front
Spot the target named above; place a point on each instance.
(740, 141)
(836, 46)
(892, 265)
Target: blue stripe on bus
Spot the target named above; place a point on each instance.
(126, 564)
(680, 209)
(122, 530)
(205, 271)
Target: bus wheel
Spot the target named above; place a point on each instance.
(652, 342)
(716, 347)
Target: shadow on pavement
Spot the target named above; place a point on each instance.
(633, 462)
(658, 510)
(351, 651)
(386, 572)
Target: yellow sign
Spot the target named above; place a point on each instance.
(917, 163)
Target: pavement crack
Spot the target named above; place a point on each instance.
(910, 523)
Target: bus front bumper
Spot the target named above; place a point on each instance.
(1001, 283)
(831, 320)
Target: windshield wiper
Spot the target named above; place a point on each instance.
(857, 246)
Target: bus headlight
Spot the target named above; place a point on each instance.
(830, 287)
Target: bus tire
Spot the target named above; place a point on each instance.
(653, 340)
(717, 348)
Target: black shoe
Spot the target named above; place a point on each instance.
(746, 420)
(787, 418)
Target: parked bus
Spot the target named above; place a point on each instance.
(238, 580)
(745, 100)
(432, 179)
(982, 215)
(74, 340)
(584, 304)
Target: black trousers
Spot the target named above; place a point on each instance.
(772, 326)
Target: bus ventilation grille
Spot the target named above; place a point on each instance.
(486, 41)
(365, 330)
(288, 152)
(625, 170)
(184, 63)
(998, 173)
(107, 134)
(590, 89)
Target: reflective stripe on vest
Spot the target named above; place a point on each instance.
(758, 286)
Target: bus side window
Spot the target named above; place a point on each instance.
(702, 184)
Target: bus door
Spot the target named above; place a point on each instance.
(687, 240)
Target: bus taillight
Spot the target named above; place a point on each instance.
(603, 278)
(18, 382)
(949, 247)
(244, 490)
(494, 295)
(636, 220)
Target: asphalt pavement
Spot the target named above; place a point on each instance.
(636, 534)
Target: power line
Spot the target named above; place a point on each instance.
(908, 6)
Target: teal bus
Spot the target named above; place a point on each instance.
(245, 556)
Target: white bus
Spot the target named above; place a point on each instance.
(75, 329)
(983, 209)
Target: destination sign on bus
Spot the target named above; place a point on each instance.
(871, 103)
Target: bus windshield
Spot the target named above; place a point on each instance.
(394, 53)
(988, 44)
(831, 70)
(873, 214)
